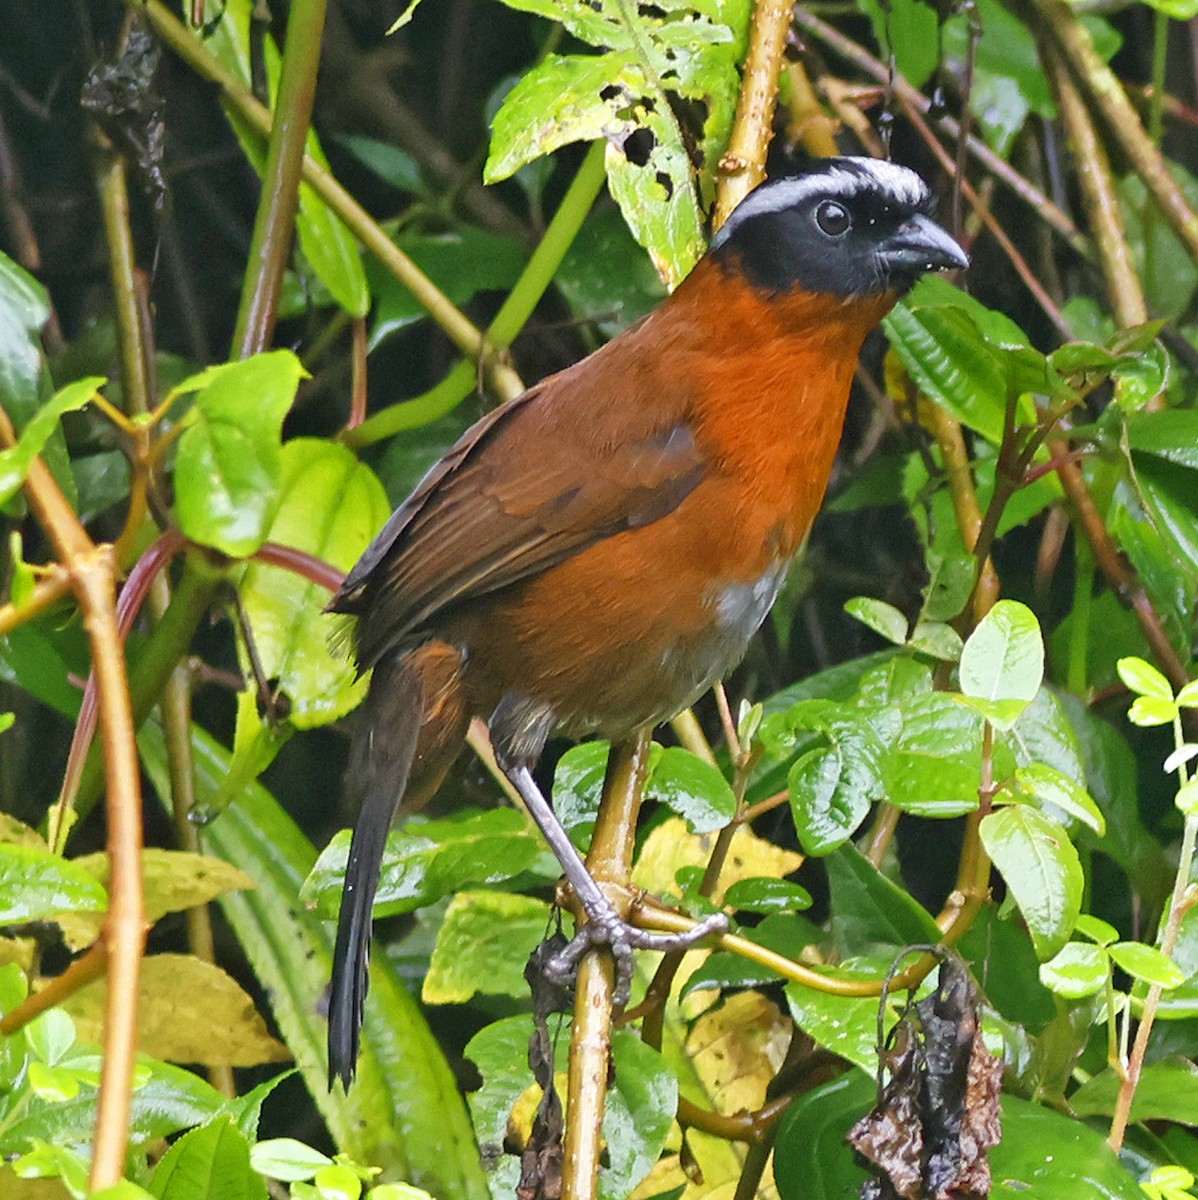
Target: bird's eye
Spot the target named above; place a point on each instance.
(832, 218)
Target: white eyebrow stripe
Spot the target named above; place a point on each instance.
(867, 174)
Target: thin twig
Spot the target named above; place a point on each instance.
(1099, 82)
(1124, 290)
(979, 206)
(92, 572)
(274, 224)
(880, 73)
(1110, 562)
(460, 330)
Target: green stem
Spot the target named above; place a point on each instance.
(457, 326)
(1168, 943)
(274, 226)
(547, 257)
(1079, 635)
(1160, 59)
(122, 263)
(419, 411)
(536, 277)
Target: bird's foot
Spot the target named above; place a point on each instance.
(605, 927)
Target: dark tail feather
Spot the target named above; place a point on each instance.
(384, 744)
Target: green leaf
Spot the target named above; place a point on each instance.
(1149, 711)
(1179, 10)
(767, 896)
(846, 1025)
(1144, 679)
(1077, 970)
(35, 885)
(286, 1159)
(950, 584)
(911, 30)
(811, 1159)
(869, 910)
(1042, 870)
(1148, 964)
(404, 1112)
(1046, 785)
(1187, 798)
(577, 786)
(937, 640)
(640, 1112)
(426, 860)
(24, 383)
(606, 277)
(1165, 267)
(658, 198)
(330, 506)
(209, 1163)
(1167, 1091)
(1096, 929)
(228, 466)
(23, 296)
(833, 785)
(1002, 664)
(1140, 378)
(14, 462)
(52, 1083)
(563, 99)
(933, 767)
(50, 1036)
(169, 1099)
(629, 95)
(483, 945)
(694, 789)
(884, 619)
(1171, 434)
(1009, 81)
(945, 354)
(45, 1161)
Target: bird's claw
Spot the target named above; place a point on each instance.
(605, 927)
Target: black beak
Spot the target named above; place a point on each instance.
(920, 246)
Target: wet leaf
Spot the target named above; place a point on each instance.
(483, 944)
(1041, 868)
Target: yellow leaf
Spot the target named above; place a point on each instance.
(21, 952)
(737, 1049)
(672, 846)
(173, 880)
(188, 1012)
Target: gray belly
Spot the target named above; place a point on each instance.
(654, 689)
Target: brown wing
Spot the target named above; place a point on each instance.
(531, 484)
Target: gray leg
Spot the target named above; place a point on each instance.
(604, 926)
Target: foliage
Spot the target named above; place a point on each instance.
(971, 718)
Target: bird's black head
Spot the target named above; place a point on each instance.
(849, 227)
